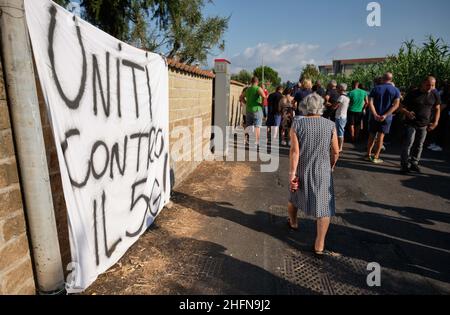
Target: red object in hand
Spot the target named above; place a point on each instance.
(294, 185)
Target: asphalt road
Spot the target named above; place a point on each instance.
(227, 234)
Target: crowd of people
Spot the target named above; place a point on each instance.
(313, 122)
(359, 115)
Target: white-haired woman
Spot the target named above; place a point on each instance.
(314, 153)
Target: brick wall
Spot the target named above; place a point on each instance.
(16, 275)
(190, 97)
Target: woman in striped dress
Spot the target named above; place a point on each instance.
(314, 153)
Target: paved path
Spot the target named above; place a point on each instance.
(226, 234)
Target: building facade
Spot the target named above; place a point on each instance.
(348, 66)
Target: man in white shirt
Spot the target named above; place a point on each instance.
(343, 103)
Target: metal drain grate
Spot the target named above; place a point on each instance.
(327, 276)
(303, 274)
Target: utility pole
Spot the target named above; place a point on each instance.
(30, 148)
(262, 70)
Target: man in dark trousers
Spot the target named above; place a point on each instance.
(418, 107)
(384, 100)
(274, 115)
(331, 99)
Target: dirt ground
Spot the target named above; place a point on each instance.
(156, 264)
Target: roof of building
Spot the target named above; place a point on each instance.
(172, 63)
(363, 60)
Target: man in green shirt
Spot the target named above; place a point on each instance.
(358, 102)
(254, 98)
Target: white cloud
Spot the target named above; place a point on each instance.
(286, 58)
(358, 45)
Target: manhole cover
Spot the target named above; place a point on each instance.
(302, 276)
(328, 276)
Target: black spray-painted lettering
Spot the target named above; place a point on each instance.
(101, 156)
(166, 165)
(119, 109)
(105, 164)
(133, 67)
(75, 103)
(152, 205)
(96, 77)
(156, 137)
(98, 171)
(115, 156)
(134, 202)
(149, 92)
(109, 250)
(139, 136)
(64, 147)
(155, 145)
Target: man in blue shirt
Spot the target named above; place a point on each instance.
(384, 100)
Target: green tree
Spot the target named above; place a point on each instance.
(270, 75)
(62, 2)
(243, 76)
(112, 16)
(310, 72)
(410, 65)
(175, 28)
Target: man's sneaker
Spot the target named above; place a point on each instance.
(436, 148)
(369, 158)
(404, 170)
(431, 146)
(415, 168)
(377, 161)
(383, 148)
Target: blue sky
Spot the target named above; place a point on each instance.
(292, 33)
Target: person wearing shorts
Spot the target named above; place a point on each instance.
(384, 100)
(255, 119)
(358, 101)
(254, 98)
(341, 114)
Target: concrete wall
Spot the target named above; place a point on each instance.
(16, 275)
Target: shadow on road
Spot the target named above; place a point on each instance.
(420, 216)
(351, 242)
(209, 270)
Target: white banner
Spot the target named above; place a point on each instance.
(108, 106)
